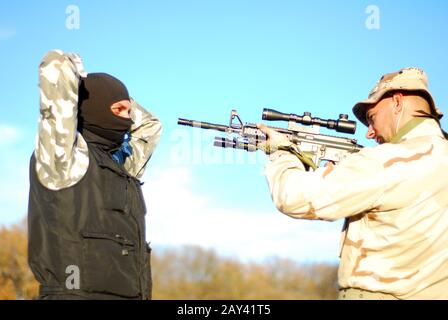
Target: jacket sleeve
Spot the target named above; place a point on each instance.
(144, 137)
(61, 153)
(353, 186)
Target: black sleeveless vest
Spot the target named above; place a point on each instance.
(94, 230)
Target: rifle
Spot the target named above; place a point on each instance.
(319, 147)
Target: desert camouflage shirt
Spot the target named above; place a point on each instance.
(61, 152)
(395, 201)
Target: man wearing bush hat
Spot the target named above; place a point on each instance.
(410, 84)
(393, 197)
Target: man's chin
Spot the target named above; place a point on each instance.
(380, 140)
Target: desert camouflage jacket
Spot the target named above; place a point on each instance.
(395, 201)
(61, 152)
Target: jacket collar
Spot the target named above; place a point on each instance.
(418, 127)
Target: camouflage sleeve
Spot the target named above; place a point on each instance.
(351, 187)
(61, 153)
(145, 135)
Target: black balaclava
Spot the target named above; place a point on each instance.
(97, 93)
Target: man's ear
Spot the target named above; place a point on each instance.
(398, 98)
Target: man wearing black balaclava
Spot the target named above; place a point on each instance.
(103, 109)
(86, 214)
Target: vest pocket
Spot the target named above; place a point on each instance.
(115, 194)
(109, 265)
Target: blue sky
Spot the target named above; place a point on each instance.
(199, 60)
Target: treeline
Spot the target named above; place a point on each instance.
(16, 279)
(187, 273)
(196, 273)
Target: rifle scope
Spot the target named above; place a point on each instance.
(341, 125)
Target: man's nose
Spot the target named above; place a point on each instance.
(370, 132)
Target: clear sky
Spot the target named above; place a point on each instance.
(198, 60)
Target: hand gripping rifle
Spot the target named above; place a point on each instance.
(320, 147)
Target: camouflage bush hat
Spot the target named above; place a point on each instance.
(408, 79)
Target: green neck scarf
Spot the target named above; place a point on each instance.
(408, 127)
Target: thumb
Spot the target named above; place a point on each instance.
(264, 129)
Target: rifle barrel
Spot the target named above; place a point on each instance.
(202, 125)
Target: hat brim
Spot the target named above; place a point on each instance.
(360, 109)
